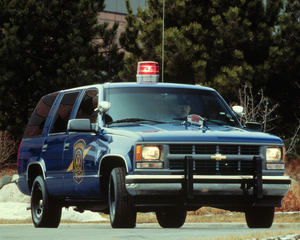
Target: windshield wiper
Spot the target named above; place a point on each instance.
(217, 122)
(179, 118)
(131, 120)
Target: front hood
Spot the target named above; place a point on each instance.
(183, 133)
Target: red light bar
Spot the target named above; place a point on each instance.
(148, 68)
(147, 72)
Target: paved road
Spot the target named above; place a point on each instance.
(142, 231)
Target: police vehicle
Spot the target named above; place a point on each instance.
(156, 147)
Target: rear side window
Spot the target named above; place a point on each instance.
(63, 112)
(39, 116)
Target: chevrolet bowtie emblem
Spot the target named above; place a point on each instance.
(218, 157)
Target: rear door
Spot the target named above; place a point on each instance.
(33, 139)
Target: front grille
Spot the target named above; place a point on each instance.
(181, 149)
(208, 167)
(229, 149)
(239, 158)
(214, 149)
(204, 149)
(249, 150)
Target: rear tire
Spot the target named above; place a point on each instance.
(45, 212)
(171, 219)
(260, 217)
(122, 213)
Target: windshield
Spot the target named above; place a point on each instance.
(167, 105)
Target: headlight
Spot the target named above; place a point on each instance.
(150, 153)
(147, 156)
(274, 154)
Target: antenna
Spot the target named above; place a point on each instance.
(163, 43)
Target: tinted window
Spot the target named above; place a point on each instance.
(63, 112)
(39, 116)
(87, 106)
(167, 104)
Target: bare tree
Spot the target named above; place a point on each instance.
(257, 108)
(294, 140)
(7, 147)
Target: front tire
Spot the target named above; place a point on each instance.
(122, 213)
(171, 219)
(260, 217)
(44, 211)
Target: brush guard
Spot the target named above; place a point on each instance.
(256, 183)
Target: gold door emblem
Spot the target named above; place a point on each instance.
(77, 165)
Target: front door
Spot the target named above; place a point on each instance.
(54, 145)
(80, 160)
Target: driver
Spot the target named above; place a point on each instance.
(183, 108)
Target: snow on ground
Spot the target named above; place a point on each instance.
(14, 204)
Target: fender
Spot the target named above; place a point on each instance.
(120, 147)
(41, 164)
(125, 160)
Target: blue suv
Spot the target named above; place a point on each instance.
(125, 148)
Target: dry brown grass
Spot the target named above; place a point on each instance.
(8, 171)
(291, 202)
(211, 215)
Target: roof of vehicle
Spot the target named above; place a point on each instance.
(170, 85)
(135, 84)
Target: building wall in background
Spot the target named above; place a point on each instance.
(115, 11)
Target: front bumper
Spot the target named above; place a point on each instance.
(228, 192)
(205, 185)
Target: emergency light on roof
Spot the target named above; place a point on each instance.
(147, 72)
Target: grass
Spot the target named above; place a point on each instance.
(291, 202)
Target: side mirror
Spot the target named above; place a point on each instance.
(81, 125)
(103, 107)
(239, 110)
(254, 126)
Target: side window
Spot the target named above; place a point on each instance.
(39, 116)
(87, 106)
(63, 112)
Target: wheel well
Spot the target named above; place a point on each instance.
(107, 165)
(34, 170)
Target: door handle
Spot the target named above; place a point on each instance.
(66, 147)
(44, 149)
